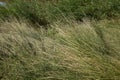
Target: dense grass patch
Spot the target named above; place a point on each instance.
(44, 12)
(63, 52)
(60, 40)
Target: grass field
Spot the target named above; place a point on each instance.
(64, 40)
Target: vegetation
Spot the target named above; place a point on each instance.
(60, 40)
(45, 12)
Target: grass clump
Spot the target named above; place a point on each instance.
(65, 51)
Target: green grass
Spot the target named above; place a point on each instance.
(50, 11)
(64, 40)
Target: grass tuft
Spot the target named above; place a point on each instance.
(62, 52)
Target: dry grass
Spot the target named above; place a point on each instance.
(73, 51)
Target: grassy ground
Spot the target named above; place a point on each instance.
(41, 41)
(71, 51)
(50, 11)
